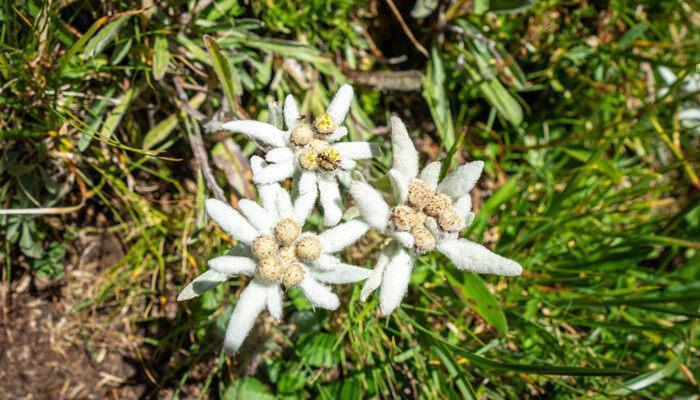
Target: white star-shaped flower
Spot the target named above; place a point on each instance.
(276, 253)
(309, 152)
(428, 216)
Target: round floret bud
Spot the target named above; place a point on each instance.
(403, 218)
(324, 124)
(419, 193)
(308, 248)
(437, 203)
(302, 134)
(293, 275)
(449, 220)
(308, 160)
(287, 231)
(264, 246)
(287, 255)
(270, 269)
(424, 241)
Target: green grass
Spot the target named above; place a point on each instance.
(590, 183)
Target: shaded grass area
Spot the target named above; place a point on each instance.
(109, 118)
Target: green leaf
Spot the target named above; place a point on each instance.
(317, 350)
(436, 97)
(291, 381)
(492, 204)
(476, 295)
(115, 117)
(248, 389)
(161, 131)
(161, 57)
(423, 8)
(103, 37)
(223, 71)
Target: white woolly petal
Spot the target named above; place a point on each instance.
(374, 209)
(231, 265)
(325, 262)
(338, 134)
(405, 239)
(257, 216)
(667, 75)
(256, 164)
(306, 195)
(274, 173)
(357, 150)
(340, 105)
(462, 180)
(274, 301)
(201, 284)
(375, 279)
(463, 205)
(285, 209)
(431, 174)
(342, 236)
(329, 194)
(279, 155)
(230, 221)
(291, 112)
(399, 186)
(405, 154)
(347, 163)
(474, 257)
(318, 294)
(257, 130)
(690, 114)
(397, 274)
(342, 273)
(251, 303)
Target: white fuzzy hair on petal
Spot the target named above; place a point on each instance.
(291, 112)
(274, 301)
(375, 279)
(251, 303)
(397, 275)
(231, 265)
(372, 206)
(279, 154)
(474, 257)
(343, 273)
(357, 150)
(256, 130)
(230, 221)
(318, 294)
(306, 193)
(326, 262)
(404, 238)
(339, 133)
(431, 174)
(462, 180)
(285, 209)
(257, 216)
(201, 284)
(405, 154)
(340, 105)
(274, 173)
(399, 186)
(343, 235)
(329, 194)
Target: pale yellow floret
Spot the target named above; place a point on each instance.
(423, 239)
(302, 134)
(403, 218)
(419, 194)
(437, 203)
(449, 220)
(287, 255)
(324, 124)
(293, 275)
(329, 159)
(270, 269)
(264, 246)
(287, 231)
(308, 248)
(308, 160)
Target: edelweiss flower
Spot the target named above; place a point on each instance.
(309, 151)
(689, 114)
(276, 253)
(428, 216)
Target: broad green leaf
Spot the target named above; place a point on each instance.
(318, 350)
(423, 8)
(103, 37)
(94, 119)
(223, 72)
(291, 381)
(115, 117)
(248, 388)
(161, 57)
(161, 131)
(476, 295)
(436, 97)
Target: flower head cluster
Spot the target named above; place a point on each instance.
(427, 215)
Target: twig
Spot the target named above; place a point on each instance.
(405, 28)
(200, 155)
(42, 210)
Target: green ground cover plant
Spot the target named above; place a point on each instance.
(110, 144)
